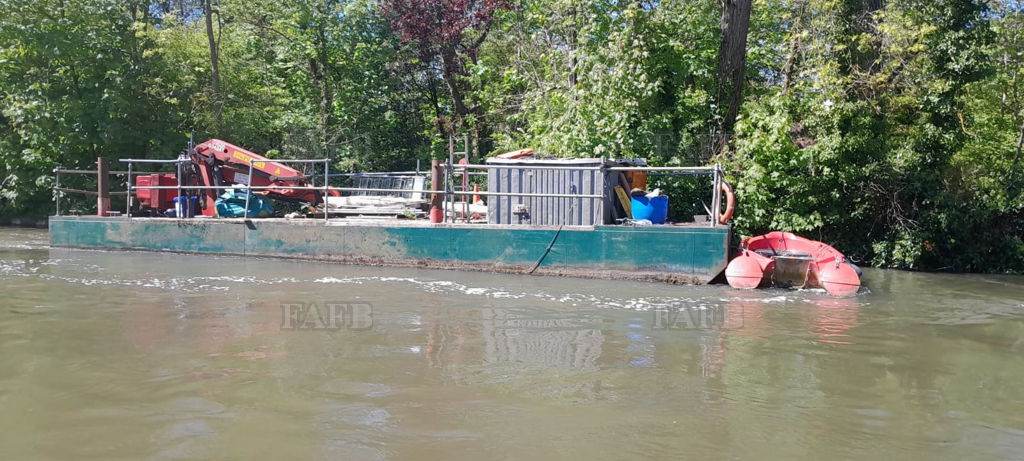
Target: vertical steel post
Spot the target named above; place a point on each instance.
(447, 179)
(128, 191)
(181, 207)
(607, 192)
(716, 196)
(465, 182)
(327, 166)
(248, 191)
(56, 173)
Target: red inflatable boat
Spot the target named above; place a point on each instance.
(783, 259)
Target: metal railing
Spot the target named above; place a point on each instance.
(717, 176)
(448, 193)
(102, 191)
(714, 170)
(248, 186)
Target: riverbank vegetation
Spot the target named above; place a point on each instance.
(890, 128)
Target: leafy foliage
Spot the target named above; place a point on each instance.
(867, 146)
(892, 129)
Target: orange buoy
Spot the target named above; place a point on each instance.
(745, 270)
(838, 278)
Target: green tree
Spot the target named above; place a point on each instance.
(78, 80)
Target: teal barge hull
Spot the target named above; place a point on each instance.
(678, 254)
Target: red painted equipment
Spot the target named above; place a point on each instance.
(156, 199)
(787, 260)
(220, 163)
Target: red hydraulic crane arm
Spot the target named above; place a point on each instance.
(226, 152)
(221, 163)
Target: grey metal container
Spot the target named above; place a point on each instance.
(584, 176)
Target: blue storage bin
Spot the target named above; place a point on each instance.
(652, 209)
(187, 207)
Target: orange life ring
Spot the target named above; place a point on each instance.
(730, 203)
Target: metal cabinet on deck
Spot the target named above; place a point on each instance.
(584, 176)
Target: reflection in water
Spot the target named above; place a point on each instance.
(444, 338)
(833, 318)
(827, 318)
(509, 337)
(712, 355)
(551, 342)
(144, 356)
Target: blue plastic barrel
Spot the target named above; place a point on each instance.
(653, 209)
(187, 207)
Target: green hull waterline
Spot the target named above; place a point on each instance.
(679, 254)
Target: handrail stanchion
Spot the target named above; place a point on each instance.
(128, 191)
(182, 208)
(448, 197)
(718, 190)
(248, 191)
(56, 174)
(716, 196)
(327, 166)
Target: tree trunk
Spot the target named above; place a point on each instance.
(732, 63)
(789, 69)
(218, 104)
(573, 54)
(864, 23)
(1020, 146)
(450, 75)
(319, 71)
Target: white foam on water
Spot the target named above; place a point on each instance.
(22, 246)
(30, 268)
(68, 270)
(337, 280)
(575, 299)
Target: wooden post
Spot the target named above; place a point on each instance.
(102, 187)
(436, 210)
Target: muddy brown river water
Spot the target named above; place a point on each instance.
(124, 355)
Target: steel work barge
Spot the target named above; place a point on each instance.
(544, 217)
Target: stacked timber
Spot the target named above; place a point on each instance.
(370, 205)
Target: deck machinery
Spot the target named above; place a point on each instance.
(220, 164)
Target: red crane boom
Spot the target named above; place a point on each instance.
(221, 163)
